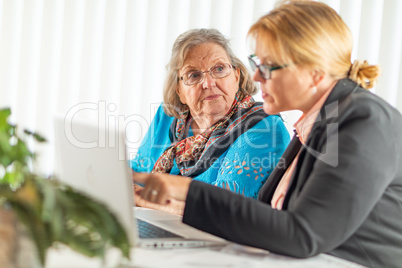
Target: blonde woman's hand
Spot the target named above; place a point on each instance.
(162, 188)
(174, 207)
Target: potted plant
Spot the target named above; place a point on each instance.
(49, 212)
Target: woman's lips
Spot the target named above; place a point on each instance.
(212, 97)
(266, 97)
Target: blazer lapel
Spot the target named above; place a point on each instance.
(342, 89)
(267, 190)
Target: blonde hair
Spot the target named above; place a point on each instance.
(312, 34)
(185, 42)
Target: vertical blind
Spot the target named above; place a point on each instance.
(60, 56)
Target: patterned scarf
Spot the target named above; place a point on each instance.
(191, 148)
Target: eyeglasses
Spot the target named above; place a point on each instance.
(218, 71)
(264, 69)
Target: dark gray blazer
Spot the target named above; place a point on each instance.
(344, 198)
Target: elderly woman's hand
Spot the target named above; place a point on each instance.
(162, 191)
(138, 189)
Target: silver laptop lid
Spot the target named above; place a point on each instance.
(93, 160)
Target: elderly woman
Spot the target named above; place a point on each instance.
(209, 127)
(339, 190)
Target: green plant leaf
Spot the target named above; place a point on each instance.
(38, 138)
(52, 212)
(4, 114)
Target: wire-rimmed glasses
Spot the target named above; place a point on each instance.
(218, 71)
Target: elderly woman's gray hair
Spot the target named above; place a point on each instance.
(185, 42)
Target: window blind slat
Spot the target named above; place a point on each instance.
(92, 49)
(10, 47)
(350, 11)
(370, 32)
(71, 54)
(134, 46)
(200, 14)
(113, 46)
(390, 51)
(49, 73)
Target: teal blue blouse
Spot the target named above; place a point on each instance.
(242, 168)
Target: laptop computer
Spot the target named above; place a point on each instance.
(93, 160)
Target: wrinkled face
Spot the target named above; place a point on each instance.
(212, 97)
(288, 89)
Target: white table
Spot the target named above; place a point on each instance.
(232, 255)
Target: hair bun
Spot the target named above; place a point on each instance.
(363, 74)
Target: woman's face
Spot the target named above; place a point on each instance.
(288, 89)
(212, 98)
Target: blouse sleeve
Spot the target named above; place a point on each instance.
(154, 143)
(252, 157)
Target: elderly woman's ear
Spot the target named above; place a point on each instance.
(237, 74)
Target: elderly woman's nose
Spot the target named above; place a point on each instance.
(209, 81)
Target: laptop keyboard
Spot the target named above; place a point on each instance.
(148, 230)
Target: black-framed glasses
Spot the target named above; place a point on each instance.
(218, 71)
(264, 69)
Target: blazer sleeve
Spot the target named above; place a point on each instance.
(357, 163)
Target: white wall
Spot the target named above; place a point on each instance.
(60, 55)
